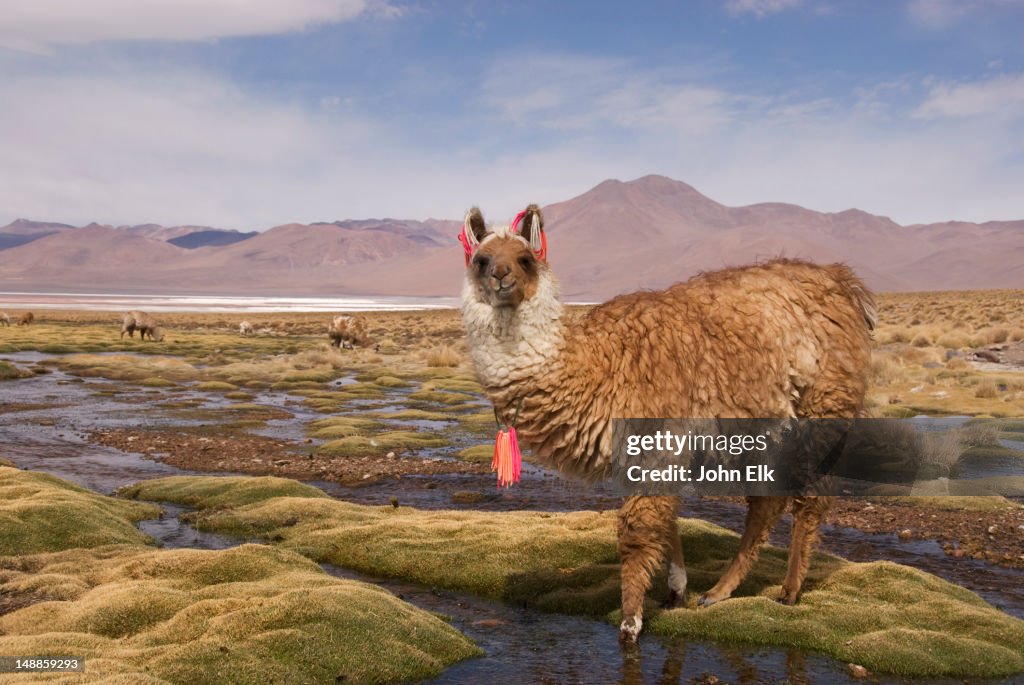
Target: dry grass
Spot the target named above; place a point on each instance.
(447, 356)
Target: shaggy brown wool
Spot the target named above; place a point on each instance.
(785, 338)
(143, 323)
(26, 319)
(347, 331)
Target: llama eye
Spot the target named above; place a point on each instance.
(526, 263)
(482, 262)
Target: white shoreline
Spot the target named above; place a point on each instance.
(219, 303)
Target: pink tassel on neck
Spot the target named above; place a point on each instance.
(508, 460)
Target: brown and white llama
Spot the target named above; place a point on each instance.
(143, 323)
(26, 319)
(347, 331)
(784, 338)
(245, 328)
(5, 320)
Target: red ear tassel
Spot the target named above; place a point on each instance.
(508, 460)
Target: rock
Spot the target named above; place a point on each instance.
(992, 530)
(858, 671)
(281, 462)
(390, 455)
(905, 534)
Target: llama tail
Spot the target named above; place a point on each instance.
(857, 292)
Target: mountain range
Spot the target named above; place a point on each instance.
(616, 237)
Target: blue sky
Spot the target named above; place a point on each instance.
(194, 111)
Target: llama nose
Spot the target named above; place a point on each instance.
(499, 272)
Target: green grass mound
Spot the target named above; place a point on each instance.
(252, 614)
(480, 454)
(359, 445)
(40, 513)
(411, 415)
(341, 427)
(884, 616)
(216, 386)
(440, 397)
(887, 617)
(218, 491)
(391, 382)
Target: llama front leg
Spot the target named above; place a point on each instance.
(761, 518)
(808, 513)
(642, 546)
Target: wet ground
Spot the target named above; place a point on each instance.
(50, 423)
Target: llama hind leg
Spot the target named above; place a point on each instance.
(761, 518)
(808, 513)
(642, 546)
(676, 565)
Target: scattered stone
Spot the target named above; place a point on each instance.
(858, 671)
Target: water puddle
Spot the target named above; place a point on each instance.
(522, 645)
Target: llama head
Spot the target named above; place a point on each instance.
(157, 333)
(505, 265)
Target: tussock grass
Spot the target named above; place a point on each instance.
(440, 397)
(342, 427)
(358, 445)
(480, 454)
(890, 618)
(9, 371)
(221, 491)
(252, 614)
(447, 356)
(41, 513)
(216, 386)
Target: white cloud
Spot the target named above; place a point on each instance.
(998, 96)
(37, 25)
(939, 15)
(181, 146)
(760, 7)
(570, 92)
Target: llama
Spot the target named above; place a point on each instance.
(347, 331)
(5, 320)
(26, 319)
(245, 328)
(780, 339)
(144, 323)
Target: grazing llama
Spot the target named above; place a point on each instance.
(780, 339)
(143, 323)
(26, 319)
(245, 328)
(347, 331)
(5, 320)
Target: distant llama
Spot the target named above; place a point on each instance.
(245, 328)
(26, 319)
(5, 320)
(143, 323)
(347, 331)
(780, 339)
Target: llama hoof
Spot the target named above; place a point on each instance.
(706, 601)
(788, 601)
(674, 601)
(630, 629)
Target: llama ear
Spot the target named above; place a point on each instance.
(530, 224)
(475, 223)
